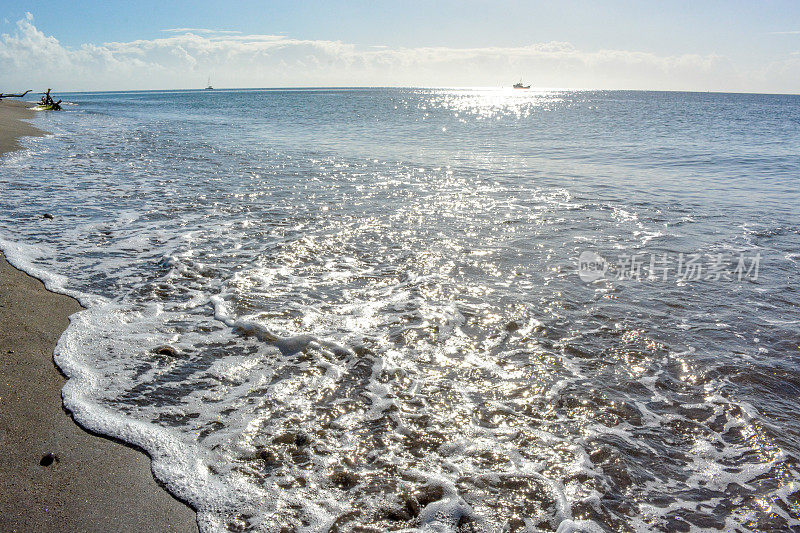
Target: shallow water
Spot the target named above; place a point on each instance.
(375, 312)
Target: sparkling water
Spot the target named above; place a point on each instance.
(364, 309)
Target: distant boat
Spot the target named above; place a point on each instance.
(519, 85)
(209, 87)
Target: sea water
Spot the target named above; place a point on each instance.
(366, 310)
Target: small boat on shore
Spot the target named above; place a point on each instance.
(520, 85)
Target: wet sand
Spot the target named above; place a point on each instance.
(12, 127)
(94, 484)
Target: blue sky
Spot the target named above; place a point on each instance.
(711, 45)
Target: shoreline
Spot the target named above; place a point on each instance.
(90, 483)
(13, 113)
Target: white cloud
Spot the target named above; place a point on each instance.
(183, 59)
(199, 30)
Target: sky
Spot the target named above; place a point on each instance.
(702, 45)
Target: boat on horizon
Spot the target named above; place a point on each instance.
(520, 85)
(208, 86)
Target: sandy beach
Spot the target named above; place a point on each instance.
(12, 125)
(92, 483)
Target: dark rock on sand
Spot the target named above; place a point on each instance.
(48, 459)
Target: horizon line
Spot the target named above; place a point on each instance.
(439, 87)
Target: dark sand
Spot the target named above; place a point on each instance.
(97, 484)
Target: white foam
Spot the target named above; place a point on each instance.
(363, 307)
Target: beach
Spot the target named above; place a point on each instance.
(91, 483)
(382, 309)
(400, 267)
(12, 127)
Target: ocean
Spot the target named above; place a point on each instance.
(431, 309)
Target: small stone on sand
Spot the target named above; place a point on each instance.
(48, 459)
